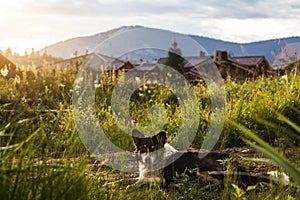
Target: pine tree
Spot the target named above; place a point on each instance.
(175, 59)
(32, 54)
(8, 52)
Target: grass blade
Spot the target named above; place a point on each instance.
(289, 122)
(270, 152)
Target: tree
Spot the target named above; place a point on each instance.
(175, 59)
(26, 54)
(32, 54)
(8, 52)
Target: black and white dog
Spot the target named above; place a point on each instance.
(158, 162)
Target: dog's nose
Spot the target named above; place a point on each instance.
(147, 160)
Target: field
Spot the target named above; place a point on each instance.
(42, 156)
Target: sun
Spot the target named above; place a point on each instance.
(23, 45)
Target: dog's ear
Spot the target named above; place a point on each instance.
(136, 135)
(161, 138)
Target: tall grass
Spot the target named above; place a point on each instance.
(42, 156)
(254, 102)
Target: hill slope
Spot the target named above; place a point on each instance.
(269, 48)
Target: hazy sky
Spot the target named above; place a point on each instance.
(32, 23)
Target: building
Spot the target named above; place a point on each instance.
(236, 68)
(7, 68)
(288, 60)
(94, 61)
(289, 55)
(196, 68)
(241, 68)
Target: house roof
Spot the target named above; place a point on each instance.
(162, 60)
(191, 61)
(146, 66)
(247, 60)
(7, 68)
(6, 62)
(94, 60)
(195, 61)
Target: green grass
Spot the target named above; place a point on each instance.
(42, 157)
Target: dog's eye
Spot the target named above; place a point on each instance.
(152, 148)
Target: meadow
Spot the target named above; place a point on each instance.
(42, 156)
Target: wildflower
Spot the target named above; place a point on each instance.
(4, 71)
(132, 122)
(17, 79)
(80, 79)
(137, 79)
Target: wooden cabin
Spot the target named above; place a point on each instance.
(236, 68)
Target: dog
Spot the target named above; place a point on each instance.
(159, 162)
(149, 155)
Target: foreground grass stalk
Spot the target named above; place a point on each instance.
(270, 152)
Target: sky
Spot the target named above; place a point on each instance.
(27, 24)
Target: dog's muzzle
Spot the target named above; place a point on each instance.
(147, 159)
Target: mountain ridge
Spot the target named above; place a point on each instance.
(271, 48)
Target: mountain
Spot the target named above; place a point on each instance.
(271, 49)
(66, 49)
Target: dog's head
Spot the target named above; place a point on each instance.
(147, 147)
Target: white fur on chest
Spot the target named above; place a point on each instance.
(169, 150)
